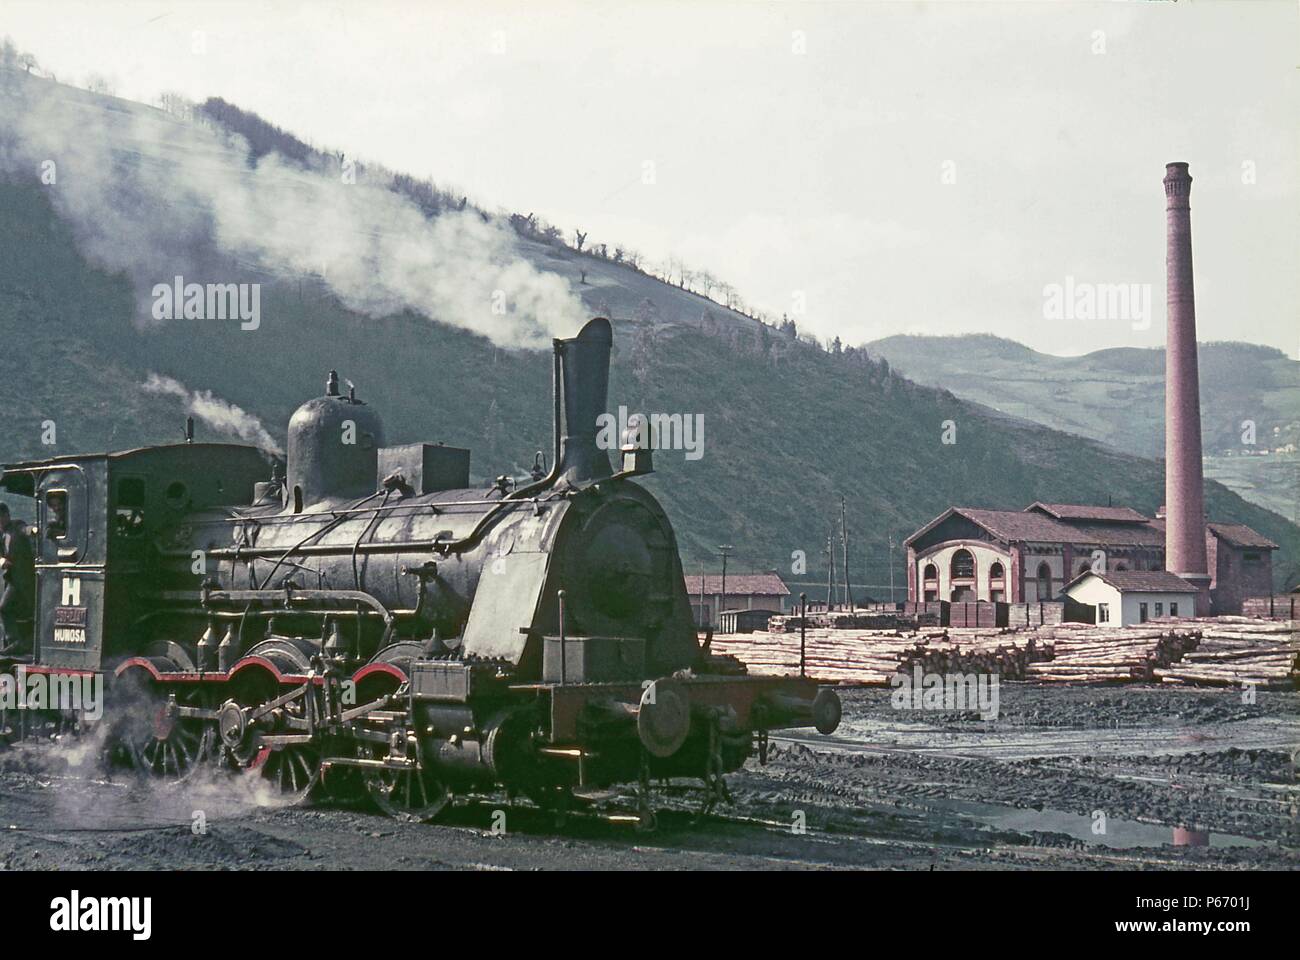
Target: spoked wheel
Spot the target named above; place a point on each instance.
(293, 770)
(343, 784)
(158, 739)
(415, 796)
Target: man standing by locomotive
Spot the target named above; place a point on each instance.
(17, 585)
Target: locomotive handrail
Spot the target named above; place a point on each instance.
(419, 507)
(383, 546)
(286, 594)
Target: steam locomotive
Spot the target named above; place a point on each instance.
(358, 619)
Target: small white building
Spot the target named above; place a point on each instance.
(1125, 597)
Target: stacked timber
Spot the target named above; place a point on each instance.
(1233, 651)
(1083, 653)
(1210, 651)
(874, 656)
(995, 654)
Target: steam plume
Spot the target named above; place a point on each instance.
(215, 412)
(150, 195)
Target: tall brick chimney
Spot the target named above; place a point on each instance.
(1184, 485)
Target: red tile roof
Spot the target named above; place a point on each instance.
(1074, 523)
(1240, 535)
(1018, 525)
(1139, 581)
(1143, 534)
(1074, 511)
(1010, 525)
(739, 584)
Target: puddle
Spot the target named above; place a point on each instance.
(1119, 833)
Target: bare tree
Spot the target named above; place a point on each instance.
(176, 105)
(579, 238)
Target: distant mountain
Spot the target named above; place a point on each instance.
(788, 427)
(1248, 392)
(1115, 395)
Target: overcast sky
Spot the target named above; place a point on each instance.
(799, 151)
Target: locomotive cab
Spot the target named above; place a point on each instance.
(98, 520)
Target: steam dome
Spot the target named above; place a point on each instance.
(334, 444)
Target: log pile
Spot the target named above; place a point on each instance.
(1233, 651)
(874, 656)
(1210, 651)
(1082, 653)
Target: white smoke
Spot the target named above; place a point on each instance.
(219, 414)
(147, 194)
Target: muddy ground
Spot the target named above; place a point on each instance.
(1075, 778)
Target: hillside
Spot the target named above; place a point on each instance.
(1117, 396)
(787, 427)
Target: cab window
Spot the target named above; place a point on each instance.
(128, 511)
(56, 514)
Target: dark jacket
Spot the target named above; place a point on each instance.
(20, 574)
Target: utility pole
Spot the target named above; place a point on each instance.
(891, 566)
(722, 604)
(844, 531)
(704, 610)
(803, 632)
(830, 568)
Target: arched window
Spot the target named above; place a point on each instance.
(997, 583)
(963, 565)
(1044, 581)
(930, 583)
(1083, 568)
(1121, 566)
(962, 571)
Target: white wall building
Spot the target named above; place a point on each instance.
(1026, 556)
(1125, 597)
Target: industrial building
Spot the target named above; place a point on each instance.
(971, 554)
(1030, 555)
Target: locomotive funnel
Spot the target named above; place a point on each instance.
(584, 391)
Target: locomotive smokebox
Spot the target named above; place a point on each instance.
(334, 446)
(583, 363)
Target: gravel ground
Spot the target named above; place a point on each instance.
(1086, 778)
